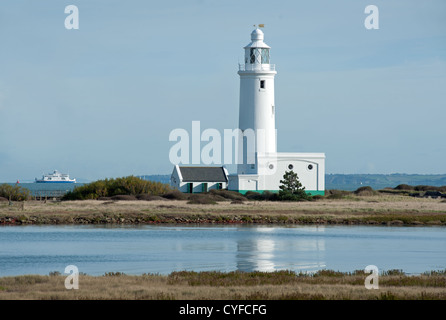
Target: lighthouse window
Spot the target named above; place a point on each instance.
(258, 55)
(262, 84)
(252, 55)
(265, 56)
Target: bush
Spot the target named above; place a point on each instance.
(200, 199)
(15, 193)
(227, 194)
(253, 195)
(266, 195)
(336, 194)
(215, 197)
(175, 195)
(148, 197)
(365, 191)
(430, 188)
(120, 186)
(125, 197)
(104, 198)
(404, 187)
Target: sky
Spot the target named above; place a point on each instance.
(100, 101)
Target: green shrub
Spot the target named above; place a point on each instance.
(336, 194)
(148, 197)
(175, 195)
(265, 195)
(227, 194)
(15, 193)
(125, 197)
(200, 199)
(404, 187)
(365, 191)
(430, 188)
(113, 187)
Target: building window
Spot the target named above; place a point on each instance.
(219, 186)
(204, 187)
(190, 188)
(290, 166)
(262, 84)
(310, 167)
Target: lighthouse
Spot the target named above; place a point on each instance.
(263, 167)
(257, 109)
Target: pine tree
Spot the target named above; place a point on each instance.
(291, 188)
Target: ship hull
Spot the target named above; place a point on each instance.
(37, 181)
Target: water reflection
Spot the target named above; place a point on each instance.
(163, 249)
(270, 249)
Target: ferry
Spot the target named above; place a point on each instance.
(56, 177)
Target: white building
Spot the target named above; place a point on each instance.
(263, 167)
(198, 179)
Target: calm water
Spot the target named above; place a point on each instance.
(163, 249)
(35, 188)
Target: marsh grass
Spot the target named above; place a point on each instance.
(381, 209)
(186, 285)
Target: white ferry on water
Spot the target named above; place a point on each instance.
(56, 177)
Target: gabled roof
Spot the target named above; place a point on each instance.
(203, 174)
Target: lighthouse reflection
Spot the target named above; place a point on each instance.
(270, 249)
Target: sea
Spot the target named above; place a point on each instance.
(37, 189)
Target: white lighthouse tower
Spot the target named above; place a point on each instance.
(262, 167)
(256, 117)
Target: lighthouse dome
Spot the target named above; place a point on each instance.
(257, 39)
(257, 35)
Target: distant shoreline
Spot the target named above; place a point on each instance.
(356, 210)
(347, 181)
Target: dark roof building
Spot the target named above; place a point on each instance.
(203, 174)
(199, 179)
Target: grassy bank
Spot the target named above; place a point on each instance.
(286, 285)
(377, 209)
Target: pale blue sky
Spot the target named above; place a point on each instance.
(101, 101)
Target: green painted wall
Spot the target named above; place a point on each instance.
(312, 192)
